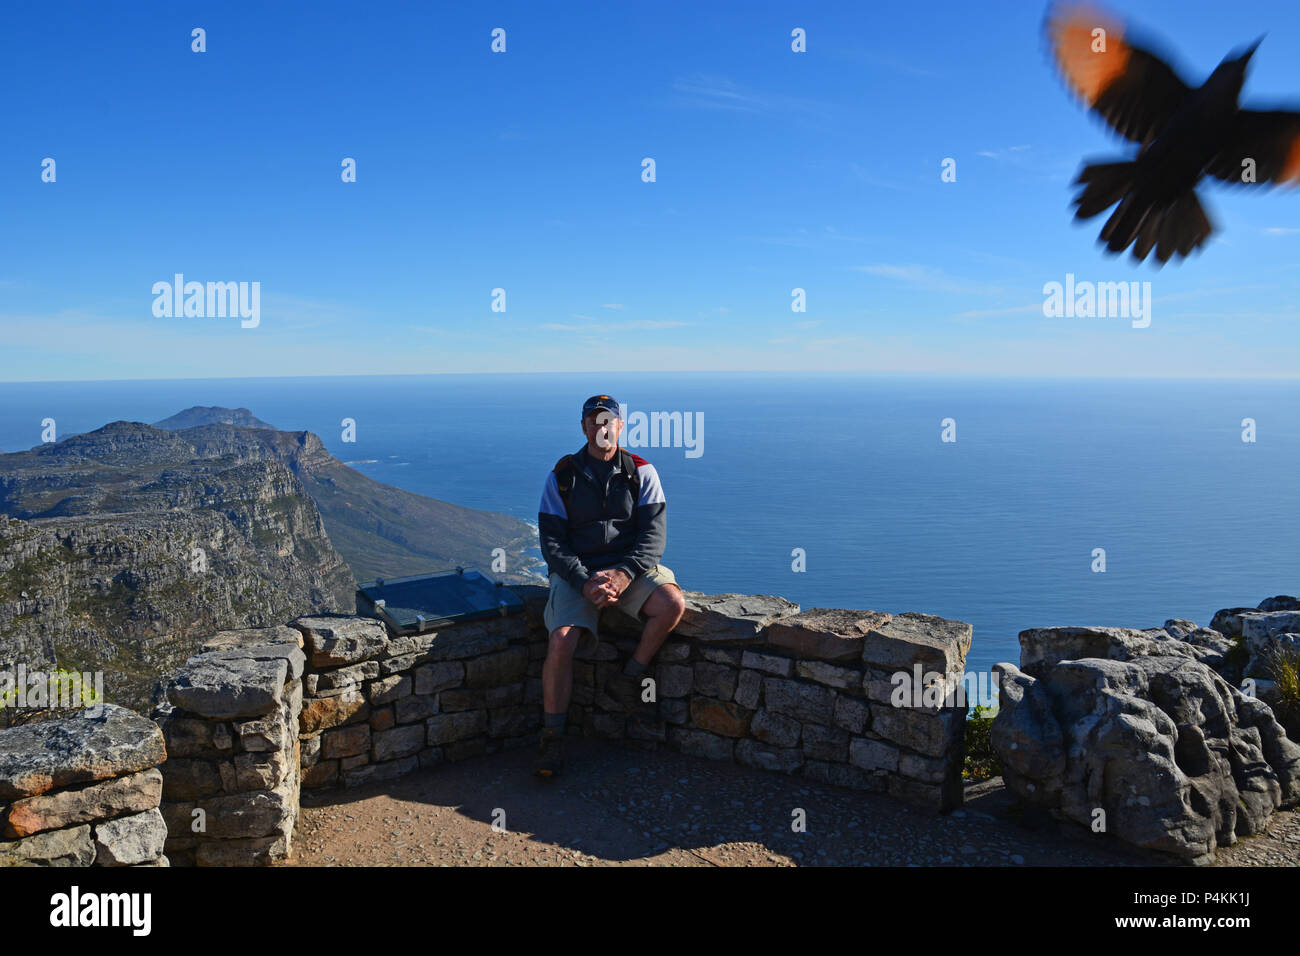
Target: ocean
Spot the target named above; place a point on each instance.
(838, 490)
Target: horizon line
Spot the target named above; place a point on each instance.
(611, 372)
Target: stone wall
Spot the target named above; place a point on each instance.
(743, 678)
(259, 714)
(82, 790)
(231, 780)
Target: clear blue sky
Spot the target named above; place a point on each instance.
(523, 171)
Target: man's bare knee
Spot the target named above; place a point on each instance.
(667, 602)
(564, 641)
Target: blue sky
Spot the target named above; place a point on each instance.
(522, 171)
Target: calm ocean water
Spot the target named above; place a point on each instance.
(997, 529)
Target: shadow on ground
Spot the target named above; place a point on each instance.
(617, 806)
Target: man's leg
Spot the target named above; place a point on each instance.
(664, 608)
(557, 671)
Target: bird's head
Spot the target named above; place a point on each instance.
(1244, 58)
(1232, 71)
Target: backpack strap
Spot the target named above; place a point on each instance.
(564, 476)
(566, 473)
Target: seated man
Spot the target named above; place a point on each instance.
(603, 529)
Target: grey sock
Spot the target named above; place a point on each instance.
(633, 667)
(553, 720)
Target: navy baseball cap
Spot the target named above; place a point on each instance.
(598, 402)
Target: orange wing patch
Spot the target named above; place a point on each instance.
(1291, 167)
(1090, 61)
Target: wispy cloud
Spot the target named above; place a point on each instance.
(618, 306)
(1281, 231)
(1011, 310)
(1004, 155)
(612, 326)
(930, 278)
(710, 91)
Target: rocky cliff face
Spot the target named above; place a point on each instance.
(380, 530)
(123, 548)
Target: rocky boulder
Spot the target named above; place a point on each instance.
(1154, 748)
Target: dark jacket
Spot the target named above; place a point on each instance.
(603, 527)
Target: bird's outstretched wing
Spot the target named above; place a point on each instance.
(1271, 138)
(1131, 88)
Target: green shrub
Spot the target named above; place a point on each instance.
(981, 763)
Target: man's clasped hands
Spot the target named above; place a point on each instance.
(606, 586)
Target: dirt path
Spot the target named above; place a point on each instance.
(616, 807)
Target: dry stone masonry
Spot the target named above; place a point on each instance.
(339, 701)
(231, 780)
(82, 790)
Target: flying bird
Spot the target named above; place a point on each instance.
(1183, 133)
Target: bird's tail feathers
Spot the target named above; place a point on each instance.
(1177, 226)
(1104, 184)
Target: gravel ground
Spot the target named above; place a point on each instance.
(622, 807)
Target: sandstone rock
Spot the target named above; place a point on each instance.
(829, 674)
(444, 675)
(751, 753)
(71, 847)
(1042, 647)
(1177, 758)
(467, 641)
(767, 663)
(190, 778)
(775, 729)
(718, 618)
(851, 714)
(825, 743)
(250, 815)
(446, 728)
(222, 688)
(799, 700)
(398, 742)
(720, 717)
(345, 741)
(128, 841)
(715, 680)
(257, 643)
(749, 687)
(673, 680)
(1228, 620)
(97, 801)
(492, 670)
(700, 743)
(827, 634)
(47, 754)
(900, 642)
(388, 689)
(1281, 602)
(412, 709)
(1266, 633)
(335, 641)
(324, 712)
(354, 675)
(873, 754)
(260, 771)
(928, 732)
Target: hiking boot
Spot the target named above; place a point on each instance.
(549, 761)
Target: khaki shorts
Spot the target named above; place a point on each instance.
(565, 606)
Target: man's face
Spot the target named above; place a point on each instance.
(602, 428)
